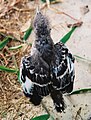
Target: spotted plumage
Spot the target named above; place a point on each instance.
(49, 69)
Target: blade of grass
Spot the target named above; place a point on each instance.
(19, 46)
(68, 35)
(15, 62)
(11, 37)
(16, 66)
(2, 34)
(81, 58)
(18, 75)
(6, 69)
(15, 47)
(42, 117)
(3, 114)
(84, 90)
(30, 44)
(4, 42)
(27, 33)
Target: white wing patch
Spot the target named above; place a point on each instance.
(27, 86)
(21, 67)
(70, 65)
(32, 71)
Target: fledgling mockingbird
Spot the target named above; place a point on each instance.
(49, 69)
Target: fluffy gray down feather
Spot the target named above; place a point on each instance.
(49, 69)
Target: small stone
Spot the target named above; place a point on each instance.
(73, 105)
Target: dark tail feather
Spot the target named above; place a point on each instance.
(34, 98)
(58, 100)
(69, 88)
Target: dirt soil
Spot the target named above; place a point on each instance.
(15, 18)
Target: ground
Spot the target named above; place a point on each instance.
(15, 18)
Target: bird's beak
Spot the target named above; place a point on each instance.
(37, 10)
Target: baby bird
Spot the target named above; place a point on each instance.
(49, 69)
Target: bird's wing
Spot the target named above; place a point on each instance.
(63, 68)
(26, 82)
(34, 72)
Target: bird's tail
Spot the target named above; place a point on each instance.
(58, 100)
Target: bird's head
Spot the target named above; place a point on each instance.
(41, 25)
(43, 42)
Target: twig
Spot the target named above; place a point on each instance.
(12, 84)
(9, 7)
(10, 55)
(43, 6)
(2, 30)
(78, 114)
(31, 9)
(4, 35)
(48, 3)
(3, 92)
(56, 1)
(4, 58)
(61, 12)
(1, 62)
(77, 24)
(70, 16)
(15, 63)
(23, 10)
(45, 107)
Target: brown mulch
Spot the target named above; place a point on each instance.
(14, 14)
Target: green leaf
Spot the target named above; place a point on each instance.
(11, 37)
(81, 58)
(3, 68)
(84, 90)
(15, 47)
(42, 117)
(4, 42)
(4, 114)
(68, 35)
(27, 34)
(18, 75)
(30, 44)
